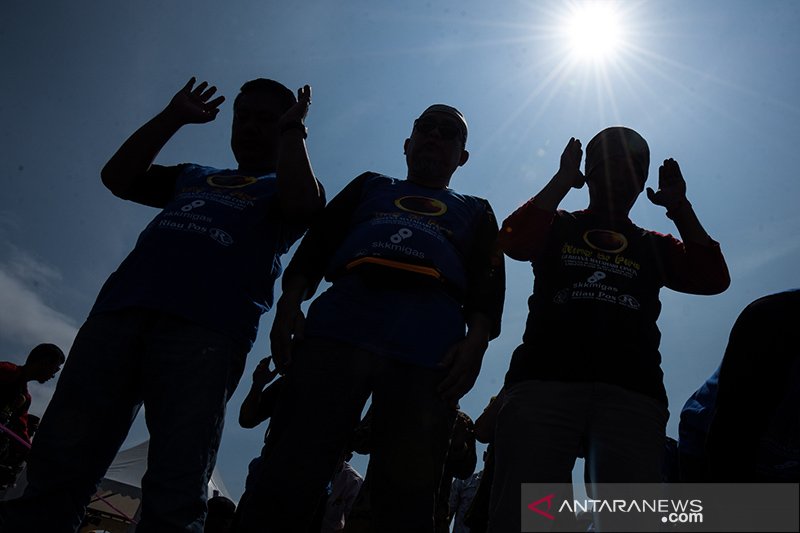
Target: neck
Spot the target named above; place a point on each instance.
(430, 182)
(256, 170)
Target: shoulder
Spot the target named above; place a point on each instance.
(9, 371)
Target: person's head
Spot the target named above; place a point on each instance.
(43, 362)
(617, 164)
(220, 514)
(254, 133)
(436, 147)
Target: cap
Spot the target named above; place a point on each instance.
(618, 141)
(450, 110)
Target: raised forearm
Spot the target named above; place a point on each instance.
(137, 153)
(299, 191)
(248, 412)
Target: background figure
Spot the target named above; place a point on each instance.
(42, 365)
(587, 375)
(220, 514)
(259, 405)
(171, 328)
(477, 514)
(695, 419)
(345, 487)
(754, 434)
(460, 464)
(416, 295)
(462, 493)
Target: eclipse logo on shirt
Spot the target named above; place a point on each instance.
(605, 240)
(234, 181)
(420, 205)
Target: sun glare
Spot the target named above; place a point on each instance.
(593, 31)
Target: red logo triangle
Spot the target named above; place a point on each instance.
(535, 506)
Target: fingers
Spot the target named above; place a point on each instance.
(457, 386)
(188, 87)
(215, 103)
(651, 195)
(304, 94)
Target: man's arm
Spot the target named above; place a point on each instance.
(524, 231)
(698, 267)
(133, 159)
(307, 268)
(483, 307)
(300, 194)
(671, 194)
(251, 413)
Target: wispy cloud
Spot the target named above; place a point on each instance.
(26, 319)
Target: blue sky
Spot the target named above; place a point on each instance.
(711, 83)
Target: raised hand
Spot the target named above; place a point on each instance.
(262, 375)
(671, 186)
(287, 328)
(191, 105)
(297, 113)
(570, 169)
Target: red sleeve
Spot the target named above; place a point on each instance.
(695, 268)
(524, 232)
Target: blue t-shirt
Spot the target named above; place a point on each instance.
(408, 259)
(211, 255)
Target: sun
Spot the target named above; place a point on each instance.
(593, 31)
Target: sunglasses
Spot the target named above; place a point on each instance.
(447, 131)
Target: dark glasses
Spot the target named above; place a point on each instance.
(447, 131)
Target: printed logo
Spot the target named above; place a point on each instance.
(597, 276)
(193, 205)
(535, 506)
(404, 233)
(561, 296)
(420, 205)
(629, 301)
(230, 181)
(607, 241)
(220, 236)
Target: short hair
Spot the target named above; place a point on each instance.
(282, 94)
(618, 141)
(46, 352)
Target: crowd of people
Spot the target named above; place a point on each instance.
(417, 285)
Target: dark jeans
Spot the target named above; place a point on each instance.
(181, 372)
(328, 386)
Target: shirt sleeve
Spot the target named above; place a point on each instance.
(694, 268)
(486, 275)
(156, 187)
(325, 235)
(525, 231)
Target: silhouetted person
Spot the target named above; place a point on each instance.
(42, 365)
(171, 328)
(754, 434)
(460, 464)
(416, 295)
(476, 516)
(259, 404)
(587, 374)
(220, 514)
(344, 489)
(695, 419)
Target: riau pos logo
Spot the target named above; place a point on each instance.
(536, 506)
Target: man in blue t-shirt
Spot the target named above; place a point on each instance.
(417, 293)
(171, 328)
